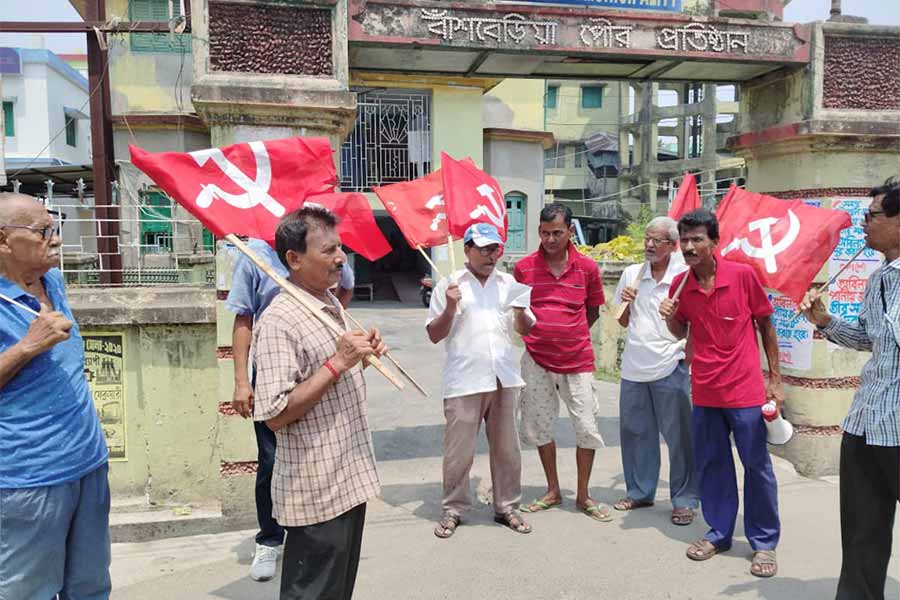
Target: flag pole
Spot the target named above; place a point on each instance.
(429, 261)
(681, 285)
(20, 305)
(452, 258)
(300, 296)
(635, 283)
(390, 358)
(834, 277)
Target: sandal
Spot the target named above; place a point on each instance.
(682, 516)
(703, 549)
(537, 505)
(761, 560)
(598, 512)
(514, 521)
(630, 504)
(446, 527)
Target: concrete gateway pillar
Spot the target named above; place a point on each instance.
(827, 133)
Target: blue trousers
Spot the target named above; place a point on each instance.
(270, 532)
(55, 540)
(647, 409)
(718, 480)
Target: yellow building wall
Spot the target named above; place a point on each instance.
(516, 104)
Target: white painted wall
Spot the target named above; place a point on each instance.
(39, 95)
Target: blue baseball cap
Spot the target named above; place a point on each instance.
(482, 234)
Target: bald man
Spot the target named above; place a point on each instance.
(54, 493)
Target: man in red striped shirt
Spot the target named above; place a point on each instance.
(567, 292)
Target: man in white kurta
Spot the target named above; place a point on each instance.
(474, 312)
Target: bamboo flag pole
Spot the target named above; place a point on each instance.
(20, 305)
(390, 358)
(681, 285)
(634, 284)
(430, 262)
(452, 258)
(300, 296)
(834, 277)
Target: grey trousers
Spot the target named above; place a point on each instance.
(646, 410)
(464, 415)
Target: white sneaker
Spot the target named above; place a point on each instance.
(263, 567)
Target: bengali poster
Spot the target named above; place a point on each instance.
(795, 334)
(845, 294)
(104, 368)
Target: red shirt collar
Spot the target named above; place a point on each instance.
(570, 259)
(725, 276)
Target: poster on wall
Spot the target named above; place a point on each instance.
(845, 294)
(795, 334)
(104, 368)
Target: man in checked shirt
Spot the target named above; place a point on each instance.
(310, 391)
(870, 449)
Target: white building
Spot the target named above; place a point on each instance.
(45, 109)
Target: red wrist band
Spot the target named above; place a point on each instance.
(334, 372)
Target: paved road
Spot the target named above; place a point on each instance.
(638, 556)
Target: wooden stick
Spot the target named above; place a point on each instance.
(300, 296)
(634, 284)
(834, 277)
(19, 304)
(452, 258)
(681, 285)
(390, 358)
(430, 262)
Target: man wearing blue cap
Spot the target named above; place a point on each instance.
(481, 376)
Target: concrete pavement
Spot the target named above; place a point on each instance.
(639, 555)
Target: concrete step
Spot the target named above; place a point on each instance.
(141, 523)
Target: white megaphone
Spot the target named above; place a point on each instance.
(779, 431)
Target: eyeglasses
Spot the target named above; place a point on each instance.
(656, 241)
(47, 231)
(489, 250)
(871, 214)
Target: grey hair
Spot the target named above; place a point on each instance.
(665, 223)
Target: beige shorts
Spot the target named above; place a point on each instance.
(539, 405)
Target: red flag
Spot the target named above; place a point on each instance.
(687, 198)
(418, 208)
(357, 226)
(246, 188)
(785, 241)
(471, 196)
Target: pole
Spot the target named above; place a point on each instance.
(106, 214)
(834, 277)
(635, 283)
(430, 262)
(301, 297)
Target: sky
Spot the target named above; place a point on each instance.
(879, 12)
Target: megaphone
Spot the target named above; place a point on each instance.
(779, 431)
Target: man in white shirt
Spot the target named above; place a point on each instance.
(655, 390)
(481, 376)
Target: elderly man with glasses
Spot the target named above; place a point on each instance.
(54, 493)
(475, 312)
(655, 394)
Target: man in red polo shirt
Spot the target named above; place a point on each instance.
(567, 292)
(721, 301)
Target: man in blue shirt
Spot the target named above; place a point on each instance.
(870, 448)
(54, 493)
(251, 293)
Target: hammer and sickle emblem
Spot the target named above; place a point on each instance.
(431, 205)
(495, 216)
(257, 192)
(767, 250)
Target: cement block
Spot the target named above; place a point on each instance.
(816, 407)
(813, 455)
(224, 325)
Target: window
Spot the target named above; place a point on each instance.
(71, 130)
(156, 224)
(515, 212)
(578, 152)
(550, 98)
(551, 158)
(9, 120)
(592, 96)
(156, 10)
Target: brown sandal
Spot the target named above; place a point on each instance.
(446, 527)
(682, 516)
(761, 560)
(703, 549)
(514, 521)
